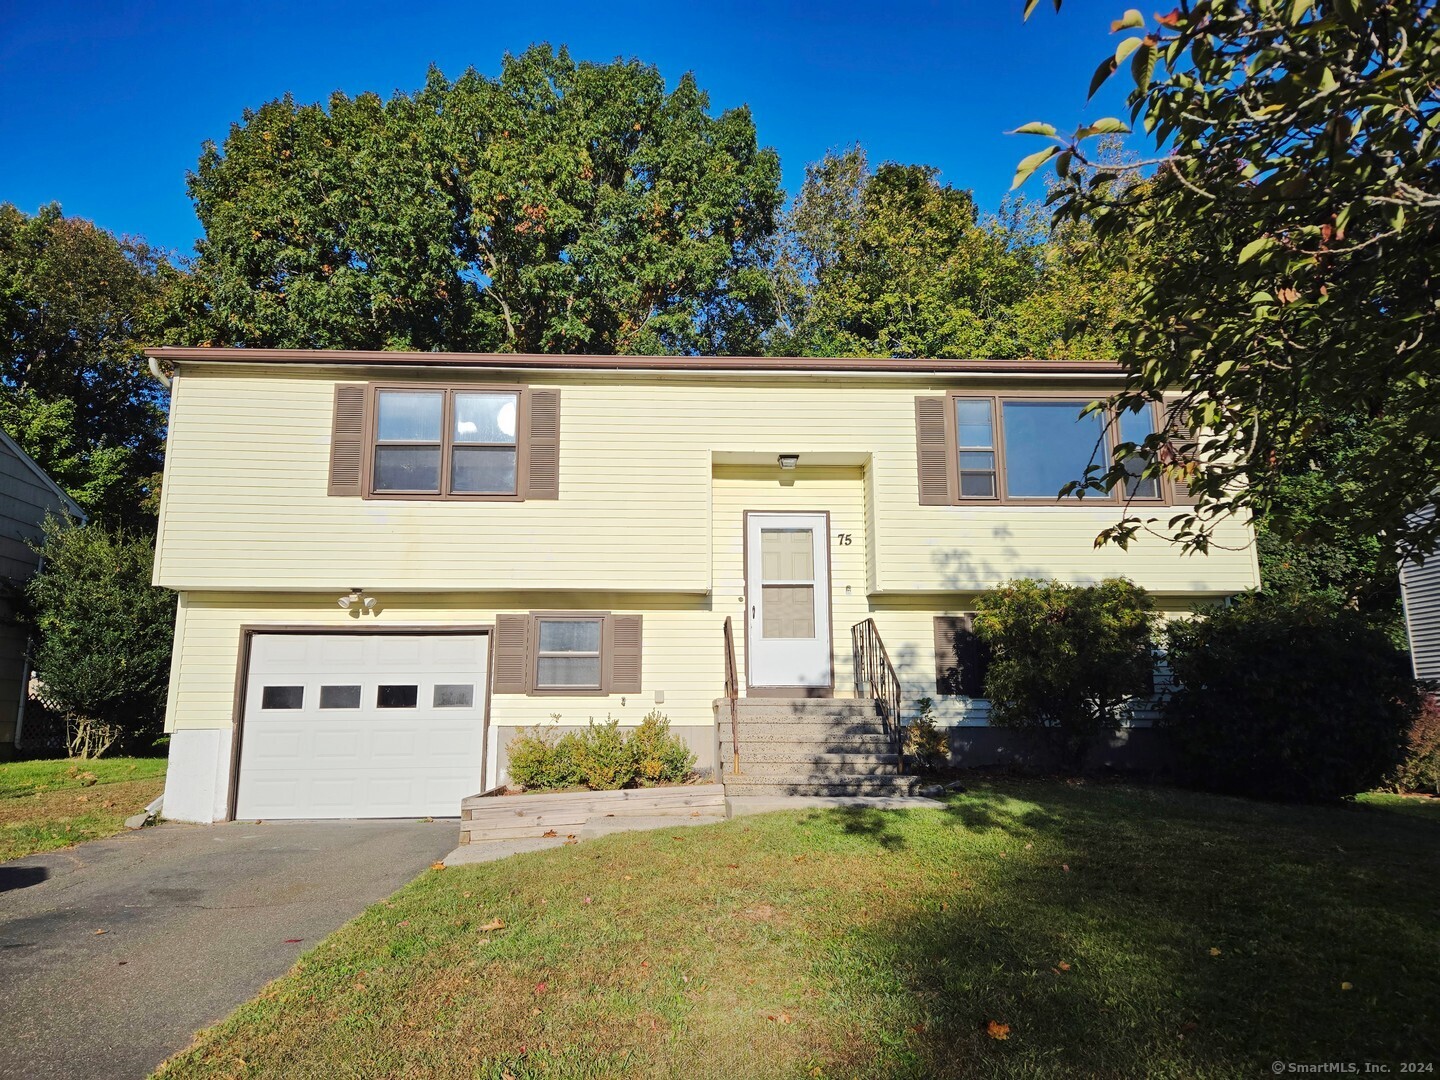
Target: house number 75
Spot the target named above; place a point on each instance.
(842, 539)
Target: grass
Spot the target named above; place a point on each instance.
(1425, 807)
(1103, 930)
(53, 804)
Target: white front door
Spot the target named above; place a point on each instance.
(362, 725)
(787, 582)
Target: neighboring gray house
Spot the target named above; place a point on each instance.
(27, 497)
(1420, 589)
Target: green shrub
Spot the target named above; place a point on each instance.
(103, 636)
(1420, 771)
(926, 745)
(1066, 659)
(602, 757)
(1281, 698)
(658, 757)
(542, 759)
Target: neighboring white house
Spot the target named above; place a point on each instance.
(1420, 590)
(27, 498)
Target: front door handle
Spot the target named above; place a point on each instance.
(752, 611)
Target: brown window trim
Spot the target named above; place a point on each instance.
(447, 445)
(1002, 497)
(607, 656)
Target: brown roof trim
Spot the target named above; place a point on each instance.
(778, 364)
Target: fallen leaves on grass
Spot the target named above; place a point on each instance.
(997, 1030)
(1063, 966)
(1214, 951)
(437, 866)
(1347, 986)
(493, 924)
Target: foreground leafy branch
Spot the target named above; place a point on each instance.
(1289, 251)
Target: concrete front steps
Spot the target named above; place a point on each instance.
(809, 746)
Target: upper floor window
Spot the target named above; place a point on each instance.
(1018, 448)
(445, 442)
(1048, 444)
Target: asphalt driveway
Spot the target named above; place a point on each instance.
(196, 919)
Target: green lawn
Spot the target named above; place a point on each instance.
(1102, 930)
(53, 804)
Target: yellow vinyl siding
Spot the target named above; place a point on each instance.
(682, 646)
(245, 504)
(683, 655)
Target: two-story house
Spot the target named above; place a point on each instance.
(389, 563)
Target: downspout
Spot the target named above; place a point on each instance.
(160, 376)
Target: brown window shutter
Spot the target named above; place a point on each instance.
(512, 654)
(947, 663)
(961, 658)
(625, 654)
(1182, 435)
(542, 477)
(347, 440)
(932, 450)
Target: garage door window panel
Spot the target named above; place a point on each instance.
(340, 697)
(397, 696)
(282, 697)
(454, 696)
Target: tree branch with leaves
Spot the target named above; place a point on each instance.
(1288, 231)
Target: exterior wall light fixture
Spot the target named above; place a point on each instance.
(354, 597)
(788, 461)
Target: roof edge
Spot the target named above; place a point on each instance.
(572, 362)
(70, 505)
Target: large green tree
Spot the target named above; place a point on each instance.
(1292, 225)
(103, 635)
(561, 207)
(76, 304)
(1306, 545)
(890, 261)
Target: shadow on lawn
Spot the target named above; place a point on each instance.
(878, 826)
(1131, 891)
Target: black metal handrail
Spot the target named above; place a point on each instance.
(732, 694)
(875, 678)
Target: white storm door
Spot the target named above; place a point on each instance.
(357, 725)
(787, 581)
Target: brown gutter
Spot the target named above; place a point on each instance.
(540, 361)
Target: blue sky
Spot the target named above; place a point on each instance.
(104, 106)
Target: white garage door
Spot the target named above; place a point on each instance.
(362, 725)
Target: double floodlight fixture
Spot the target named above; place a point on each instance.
(356, 596)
